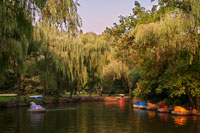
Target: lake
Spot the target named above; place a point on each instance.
(94, 117)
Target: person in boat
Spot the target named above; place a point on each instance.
(35, 106)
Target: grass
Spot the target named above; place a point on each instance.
(6, 98)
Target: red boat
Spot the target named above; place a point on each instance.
(164, 109)
(121, 100)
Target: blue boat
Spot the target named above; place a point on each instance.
(140, 105)
(36, 97)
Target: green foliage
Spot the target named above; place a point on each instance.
(155, 52)
(16, 34)
(163, 44)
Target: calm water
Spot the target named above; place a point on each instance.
(94, 118)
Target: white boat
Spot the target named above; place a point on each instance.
(36, 108)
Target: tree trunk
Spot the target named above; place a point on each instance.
(71, 93)
(130, 89)
(75, 91)
(138, 86)
(110, 91)
(190, 98)
(100, 91)
(18, 87)
(197, 102)
(130, 92)
(90, 92)
(45, 88)
(58, 89)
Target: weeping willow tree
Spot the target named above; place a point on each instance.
(96, 51)
(115, 71)
(16, 30)
(16, 33)
(195, 14)
(39, 51)
(61, 58)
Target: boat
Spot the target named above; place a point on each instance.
(36, 108)
(121, 100)
(178, 110)
(180, 113)
(164, 109)
(152, 106)
(36, 97)
(140, 105)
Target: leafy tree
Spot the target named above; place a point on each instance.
(96, 51)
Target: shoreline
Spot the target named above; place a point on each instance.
(44, 101)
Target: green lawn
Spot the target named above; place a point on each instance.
(6, 98)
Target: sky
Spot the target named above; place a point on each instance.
(96, 15)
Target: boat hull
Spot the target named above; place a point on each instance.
(164, 110)
(139, 106)
(180, 113)
(151, 108)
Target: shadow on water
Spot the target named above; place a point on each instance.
(61, 109)
(36, 121)
(164, 117)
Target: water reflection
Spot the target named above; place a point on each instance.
(140, 112)
(180, 120)
(61, 109)
(36, 121)
(121, 105)
(151, 114)
(163, 116)
(95, 118)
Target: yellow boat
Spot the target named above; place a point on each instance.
(178, 110)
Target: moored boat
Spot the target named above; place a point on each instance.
(152, 106)
(140, 105)
(164, 109)
(36, 97)
(121, 100)
(178, 110)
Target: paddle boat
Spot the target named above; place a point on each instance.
(122, 100)
(164, 109)
(36, 97)
(36, 108)
(152, 106)
(178, 110)
(140, 105)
